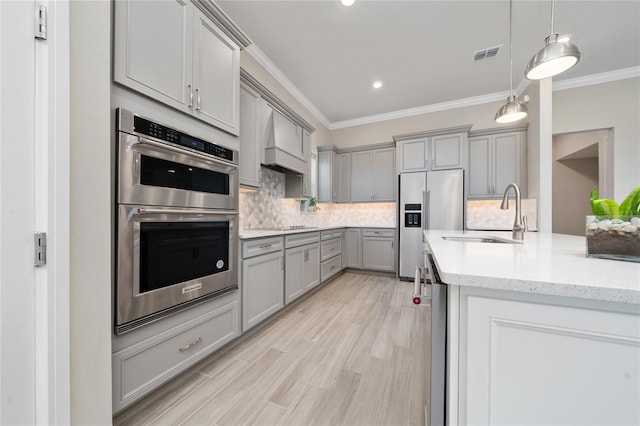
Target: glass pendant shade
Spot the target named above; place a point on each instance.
(512, 111)
(554, 58)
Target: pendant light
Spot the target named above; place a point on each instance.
(554, 58)
(513, 110)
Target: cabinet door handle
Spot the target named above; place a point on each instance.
(306, 255)
(190, 96)
(190, 345)
(266, 246)
(198, 99)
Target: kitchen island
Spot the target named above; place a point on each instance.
(538, 333)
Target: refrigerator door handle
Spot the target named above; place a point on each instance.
(425, 209)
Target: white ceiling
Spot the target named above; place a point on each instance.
(423, 50)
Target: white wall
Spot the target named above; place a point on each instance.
(481, 116)
(90, 265)
(610, 105)
(573, 179)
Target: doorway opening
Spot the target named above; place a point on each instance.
(579, 165)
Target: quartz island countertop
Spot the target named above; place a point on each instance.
(546, 263)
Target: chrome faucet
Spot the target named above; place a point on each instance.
(520, 224)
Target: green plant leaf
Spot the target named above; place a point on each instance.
(631, 205)
(605, 207)
(594, 196)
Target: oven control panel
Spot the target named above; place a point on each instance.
(158, 131)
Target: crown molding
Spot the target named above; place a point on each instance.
(272, 69)
(589, 80)
(435, 132)
(273, 100)
(426, 109)
(604, 77)
(210, 8)
(499, 130)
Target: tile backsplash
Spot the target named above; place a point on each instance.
(268, 208)
(486, 214)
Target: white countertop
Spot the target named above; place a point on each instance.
(553, 264)
(246, 234)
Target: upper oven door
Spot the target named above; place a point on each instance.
(159, 174)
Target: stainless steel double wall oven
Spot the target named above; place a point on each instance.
(177, 220)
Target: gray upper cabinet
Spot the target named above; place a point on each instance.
(216, 75)
(298, 185)
(333, 176)
(495, 161)
(447, 151)
(342, 185)
(249, 161)
(373, 175)
(439, 151)
(413, 155)
(172, 52)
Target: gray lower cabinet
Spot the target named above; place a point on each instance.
(378, 249)
(142, 365)
(302, 264)
(330, 253)
(353, 248)
(262, 279)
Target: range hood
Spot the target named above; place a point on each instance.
(284, 149)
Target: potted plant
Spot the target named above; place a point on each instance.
(310, 205)
(613, 231)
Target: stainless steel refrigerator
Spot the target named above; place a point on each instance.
(428, 200)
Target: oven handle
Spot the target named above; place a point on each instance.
(143, 210)
(178, 150)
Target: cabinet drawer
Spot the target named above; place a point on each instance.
(331, 233)
(330, 267)
(330, 248)
(296, 240)
(146, 365)
(378, 232)
(260, 246)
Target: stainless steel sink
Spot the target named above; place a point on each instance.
(480, 239)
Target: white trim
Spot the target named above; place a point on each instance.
(443, 106)
(53, 215)
(272, 69)
(593, 79)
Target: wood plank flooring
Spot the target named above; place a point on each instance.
(353, 353)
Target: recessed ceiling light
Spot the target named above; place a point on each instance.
(377, 84)
(348, 2)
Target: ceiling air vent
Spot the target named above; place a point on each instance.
(487, 53)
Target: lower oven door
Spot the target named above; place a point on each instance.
(168, 259)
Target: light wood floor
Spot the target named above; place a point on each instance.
(354, 353)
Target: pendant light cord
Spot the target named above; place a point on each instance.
(553, 5)
(510, 50)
